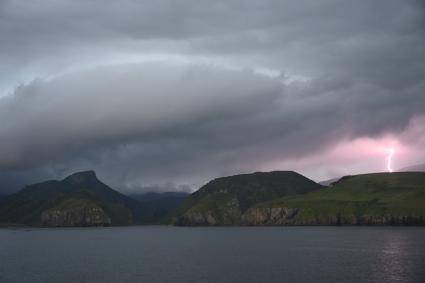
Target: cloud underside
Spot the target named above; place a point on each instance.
(151, 94)
(152, 121)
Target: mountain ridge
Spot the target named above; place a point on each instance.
(259, 199)
(27, 205)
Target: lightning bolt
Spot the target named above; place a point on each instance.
(390, 159)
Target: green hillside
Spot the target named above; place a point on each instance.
(380, 198)
(273, 198)
(223, 201)
(88, 193)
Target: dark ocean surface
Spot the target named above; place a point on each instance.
(219, 254)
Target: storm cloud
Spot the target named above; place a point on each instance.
(170, 95)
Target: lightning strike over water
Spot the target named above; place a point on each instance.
(389, 160)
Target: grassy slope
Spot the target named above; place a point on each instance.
(118, 213)
(370, 194)
(249, 189)
(26, 206)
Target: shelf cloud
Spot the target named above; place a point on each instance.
(161, 93)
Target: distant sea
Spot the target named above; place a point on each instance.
(217, 254)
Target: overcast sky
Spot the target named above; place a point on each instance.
(165, 95)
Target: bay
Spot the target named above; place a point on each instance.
(213, 254)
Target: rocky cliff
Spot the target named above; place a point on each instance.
(226, 212)
(78, 200)
(229, 200)
(277, 216)
(233, 216)
(285, 216)
(75, 212)
(370, 199)
(269, 216)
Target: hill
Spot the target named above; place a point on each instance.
(78, 200)
(414, 168)
(369, 199)
(223, 201)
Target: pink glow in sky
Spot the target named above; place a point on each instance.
(387, 153)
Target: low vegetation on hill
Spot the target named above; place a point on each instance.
(48, 203)
(224, 200)
(380, 198)
(272, 198)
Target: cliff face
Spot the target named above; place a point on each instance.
(269, 216)
(75, 212)
(276, 216)
(227, 213)
(232, 215)
(286, 216)
(338, 219)
(78, 200)
(227, 200)
(370, 199)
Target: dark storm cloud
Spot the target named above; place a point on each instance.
(138, 123)
(348, 69)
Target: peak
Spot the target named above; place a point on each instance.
(81, 177)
